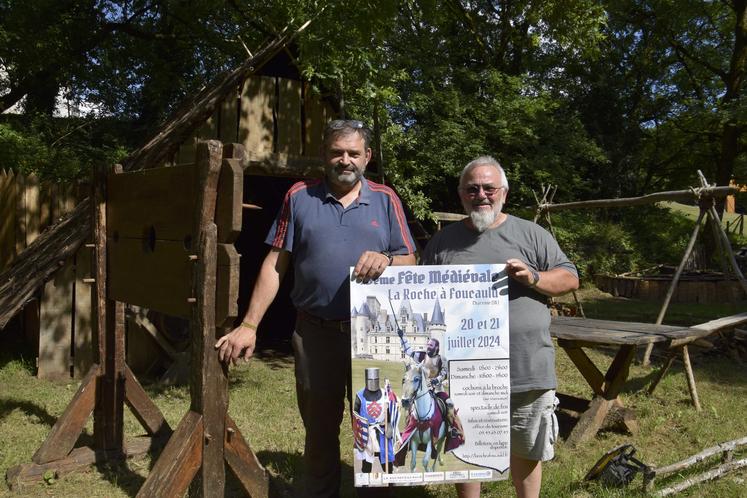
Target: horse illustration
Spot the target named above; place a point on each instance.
(426, 426)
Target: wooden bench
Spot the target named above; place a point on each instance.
(573, 334)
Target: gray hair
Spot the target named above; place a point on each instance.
(343, 127)
(484, 161)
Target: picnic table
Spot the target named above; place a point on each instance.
(573, 334)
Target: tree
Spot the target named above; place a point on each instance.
(665, 97)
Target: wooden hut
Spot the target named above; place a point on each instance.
(279, 120)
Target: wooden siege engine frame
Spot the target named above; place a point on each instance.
(150, 252)
(705, 196)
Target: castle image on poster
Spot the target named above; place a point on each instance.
(374, 329)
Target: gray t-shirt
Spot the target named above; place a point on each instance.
(531, 348)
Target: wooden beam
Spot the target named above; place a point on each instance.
(109, 416)
(79, 459)
(244, 463)
(617, 373)
(209, 383)
(228, 211)
(178, 462)
(690, 378)
(662, 372)
(68, 427)
(722, 449)
(40, 260)
(674, 195)
(227, 285)
(147, 413)
(705, 476)
(591, 421)
(590, 372)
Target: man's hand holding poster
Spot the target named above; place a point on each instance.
(430, 360)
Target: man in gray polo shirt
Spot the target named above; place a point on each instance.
(538, 268)
(325, 227)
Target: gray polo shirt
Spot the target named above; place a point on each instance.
(326, 239)
(531, 348)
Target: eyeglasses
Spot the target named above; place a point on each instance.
(473, 190)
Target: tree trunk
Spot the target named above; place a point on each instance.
(732, 130)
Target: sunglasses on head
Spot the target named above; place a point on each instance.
(339, 124)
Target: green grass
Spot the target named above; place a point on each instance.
(598, 304)
(263, 405)
(693, 211)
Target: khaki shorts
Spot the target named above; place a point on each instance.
(534, 426)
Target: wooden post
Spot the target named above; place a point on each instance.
(690, 378)
(197, 452)
(109, 412)
(548, 194)
(209, 385)
(673, 285)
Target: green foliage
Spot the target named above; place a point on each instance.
(619, 241)
(59, 149)
(603, 99)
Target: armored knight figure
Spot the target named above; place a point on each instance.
(373, 430)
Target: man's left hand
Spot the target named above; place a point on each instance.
(370, 265)
(519, 271)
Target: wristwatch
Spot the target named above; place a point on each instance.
(389, 255)
(535, 278)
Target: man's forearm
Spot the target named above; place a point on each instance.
(266, 287)
(403, 260)
(556, 282)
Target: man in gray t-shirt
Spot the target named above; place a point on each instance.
(537, 268)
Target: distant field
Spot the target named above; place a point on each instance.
(693, 211)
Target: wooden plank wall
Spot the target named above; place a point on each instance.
(63, 308)
(688, 291)
(277, 120)
(8, 201)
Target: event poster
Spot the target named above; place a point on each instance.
(430, 375)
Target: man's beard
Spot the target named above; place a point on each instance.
(348, 178)
(483, 219)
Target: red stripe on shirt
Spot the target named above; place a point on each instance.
(282, 225)
(398, 211)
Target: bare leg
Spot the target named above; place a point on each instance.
(468, 489)
(526, 476)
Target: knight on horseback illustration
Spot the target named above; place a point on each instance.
(433, 419)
